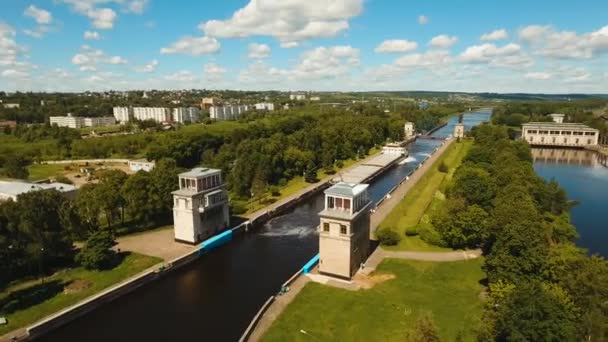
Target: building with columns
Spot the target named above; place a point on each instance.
(344, 230)
(200, 206)
(559, 134)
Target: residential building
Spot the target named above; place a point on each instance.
(344, 230)
(200, 205)
(67, 121)
(227, 112)
(11, 105)
(208, 102)
(557, 118)
(8, 124)
(141, 165)
(559, 134)
(267, 106)
(158, 114)
(297, 97)
(123, 114)
(409, 130)
(11, 189)
(315, 98)
(102, 121)
(186, 114)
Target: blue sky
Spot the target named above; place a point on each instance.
(500, 46)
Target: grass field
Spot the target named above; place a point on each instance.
(449, 291)
(44, 171)
(298, 183)
(413, 207)
(27, 302)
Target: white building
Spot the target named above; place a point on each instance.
(395, 149)
(101, 121)
(158, 114)
(344, 230)
(186, 114)
(559, 134)
(67, 121)
(315, 98)
(297, 97)
(200, 205)
(141, 165)
(267, 106)
(557, 118)
(227, 112)
(11, 105)
(12, 189)
(122, 114)
(409, 130)
(207, 102)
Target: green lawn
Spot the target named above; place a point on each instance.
(44, 171)
(449, 291)
(27, 302)
(413, 207)
(298, 183)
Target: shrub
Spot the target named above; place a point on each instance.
(238, 207)
(97, 254)
(430, 235)
(282, 182)
(411, 231)
(63, 179)
(339, 164)
(388, 237)
(274, 190)
(443, 168)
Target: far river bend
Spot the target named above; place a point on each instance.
(215, 297)
(585, 180)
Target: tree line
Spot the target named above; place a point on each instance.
(37, 232)
(541, 285)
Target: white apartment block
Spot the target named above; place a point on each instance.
(158, 114)
(297, 97)
(267, 106)
(99, 122)
(186, 114)
(227, 112)
(122, 114)
(559, 134)
(67, 121)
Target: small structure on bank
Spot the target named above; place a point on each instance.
(459, 128)
(344, 230)
(409, 130)
(200, 207)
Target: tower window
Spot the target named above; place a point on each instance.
(342, 229)
(325, 226)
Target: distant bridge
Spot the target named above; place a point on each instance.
(429, 137)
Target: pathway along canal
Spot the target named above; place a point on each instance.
(585, 180)
(215, 297)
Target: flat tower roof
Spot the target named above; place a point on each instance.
(554, 125)
(199, 172)
(346, 189)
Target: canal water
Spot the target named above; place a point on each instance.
(585, 179)
(215, 297)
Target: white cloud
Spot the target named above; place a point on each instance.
(443, 41)
(9, 49)
(103, 18)
(193, 46)
(213, 72)
(92, 35)
(510, 55)
(38, 32)
(548, 42)
(288, 21)
(428, 59)
(88, 59)
(495, 35)
(538, 76)
(150, 67)
(289, 45)
(326, 62)
(423, 19)
(15, 74)
(258, 50)
(40, 15)
(260, 72)
(136, 6)
(396, 45)
(181, 76)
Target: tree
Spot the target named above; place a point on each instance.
(136, 192)
(473, 184)
(424, 330)
(16, 167)
(461, 226)
(388, 237)
(97, 254)
(310, 175)
(534, 311)
(164, 178)
(109, 196)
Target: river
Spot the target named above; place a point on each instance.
(585, 180)
(215, 297)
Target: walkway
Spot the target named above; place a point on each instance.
(158, 243)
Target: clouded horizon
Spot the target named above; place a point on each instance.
(342, 45)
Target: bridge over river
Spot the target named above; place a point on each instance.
(215, 297)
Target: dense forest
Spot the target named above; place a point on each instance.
(541, 286)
